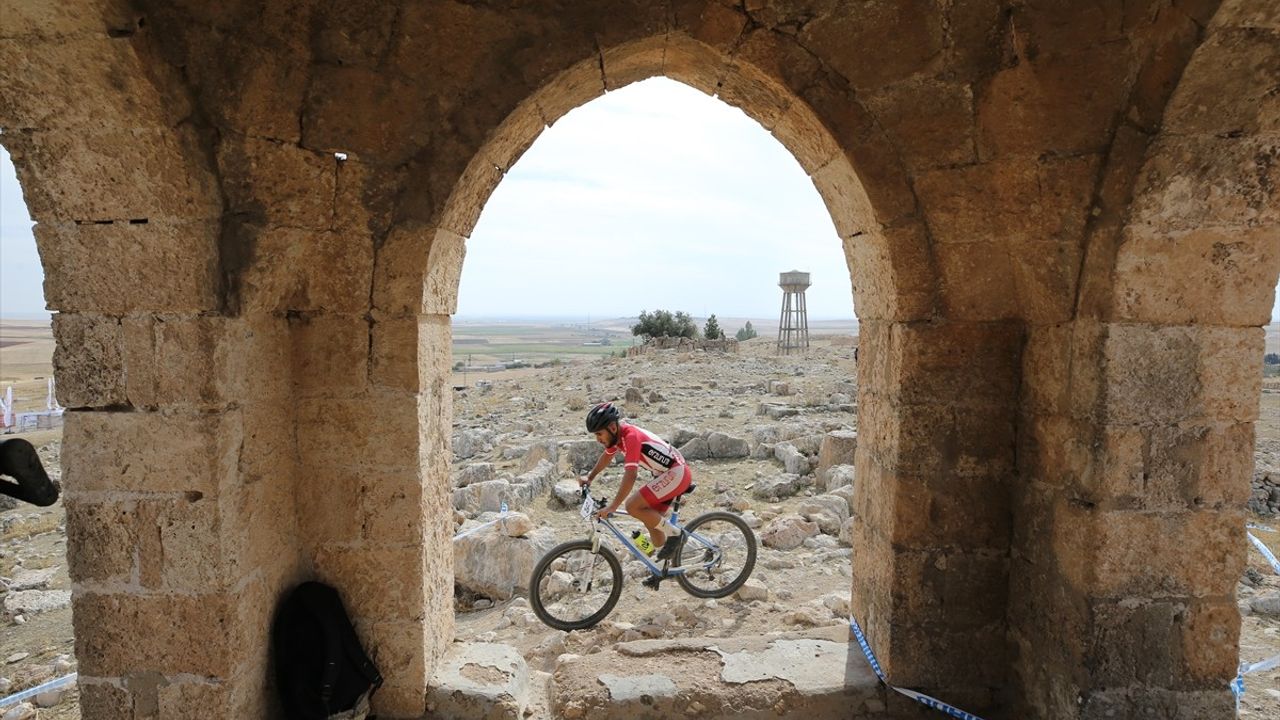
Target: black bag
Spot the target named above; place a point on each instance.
(321, 669)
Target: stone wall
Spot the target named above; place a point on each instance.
(1059, 222)
(682, 344)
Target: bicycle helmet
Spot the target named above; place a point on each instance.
(600, 416)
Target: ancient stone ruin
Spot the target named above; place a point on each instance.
(1061, 227)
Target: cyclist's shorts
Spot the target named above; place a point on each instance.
(660, 491)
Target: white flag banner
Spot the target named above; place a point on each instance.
(6, 405)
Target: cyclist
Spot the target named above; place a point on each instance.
(671, 474)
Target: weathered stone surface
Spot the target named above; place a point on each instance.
(495, 565)
(723, 446)
(480, 680)
(787, 532)
(1093, 184)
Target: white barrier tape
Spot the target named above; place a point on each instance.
(1264, 528)
(927, 701)
(1269, 664)
(32, 692)
(502, 518)
(1266, 552)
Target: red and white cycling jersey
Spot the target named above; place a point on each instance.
(641, 448)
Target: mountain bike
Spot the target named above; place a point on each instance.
(577, 583)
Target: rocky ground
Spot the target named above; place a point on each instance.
(771, 437)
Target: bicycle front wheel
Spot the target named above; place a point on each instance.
(573, 588)
(718, 554)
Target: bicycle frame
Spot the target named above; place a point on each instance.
(653, 567)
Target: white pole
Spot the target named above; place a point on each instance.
(7, 406)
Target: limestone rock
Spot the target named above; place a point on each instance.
(787, 532)
(696, 449)
(1266, 605)
(682, 434)
(495, 565)
(548, 451)
(793, 461)
(566, 494)
(724, 446)
(837, 476)
(837, 448)
(538, 479)
(753, 589)
(828, 511)
(581, 455)
(30, 602)
(516, 525)
(24, 579)
(776, 487)
(634, 396)
(473, 473)
(480, 680)
(472, 442)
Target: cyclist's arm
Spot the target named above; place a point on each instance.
(601, 464)
(628, 481)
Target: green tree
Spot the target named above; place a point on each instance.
(711, 330)
(664, 323)
(746, 332)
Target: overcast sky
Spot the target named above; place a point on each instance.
(653, 196)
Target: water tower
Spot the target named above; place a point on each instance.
(793, 326)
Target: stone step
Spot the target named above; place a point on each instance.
(477, 681)
(810, 674)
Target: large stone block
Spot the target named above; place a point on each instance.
(330, 354)
(1015, 200)
(1247, 14)
(179, 544)
(76, 176)
(88, 360)
(82, 81)
(969, 363)
(377, 582)
(1175, 467)
(917, 27)
(118, 634)
(101, 537)
(278, 183)
(1197, 182)
(101, 698)
(392, 508)
(1063, 103)
(389, 430)
(930, 122)
(893, 273)
(124, 267)
(1116, 553)
(1226, 88)
(1214, 276)
(306, 270)
(183, 362)
(360, 110)
(149, 452)
(1170, 374)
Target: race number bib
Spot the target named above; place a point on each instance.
(588, 508)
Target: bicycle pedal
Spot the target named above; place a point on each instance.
(652, 582)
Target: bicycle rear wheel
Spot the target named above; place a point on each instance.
(572, 589)
(718, 553)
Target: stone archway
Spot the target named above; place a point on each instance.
(261, 398)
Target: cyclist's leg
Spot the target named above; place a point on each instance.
(659, 494)
(640, 508)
